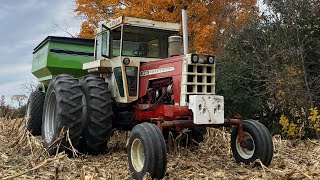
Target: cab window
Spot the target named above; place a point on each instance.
(144, 42)
(116, 38)
(132, 76)
(118, 76)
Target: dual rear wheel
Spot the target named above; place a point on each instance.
(78, 113)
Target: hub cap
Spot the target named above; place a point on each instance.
(49, 119)
(247, 151)
(137, 155)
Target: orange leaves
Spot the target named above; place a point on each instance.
(207, 19)
(203, 40)
(87, 30)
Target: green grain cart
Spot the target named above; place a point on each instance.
(61, 55)
(54, 56)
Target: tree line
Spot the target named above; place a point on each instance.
(271, 69)
(8, 111)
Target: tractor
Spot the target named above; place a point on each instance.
(136, 75)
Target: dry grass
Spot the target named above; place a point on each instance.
(23, 157)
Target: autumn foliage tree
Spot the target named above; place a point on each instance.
(211, 23)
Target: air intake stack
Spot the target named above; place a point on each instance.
(175, 46)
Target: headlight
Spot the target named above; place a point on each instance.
(126, 61)
(210, 59)
(194, 58)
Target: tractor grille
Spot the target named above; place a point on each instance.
(197, 79)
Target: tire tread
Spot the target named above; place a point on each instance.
(69, 110)
(98, 122)
(36, 100)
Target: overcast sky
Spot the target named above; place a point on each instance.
(24, 24)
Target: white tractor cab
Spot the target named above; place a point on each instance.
(122, 44)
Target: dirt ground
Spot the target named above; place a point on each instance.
(23, 157)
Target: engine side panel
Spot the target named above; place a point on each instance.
(170, 67)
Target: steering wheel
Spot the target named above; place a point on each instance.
(142, 51)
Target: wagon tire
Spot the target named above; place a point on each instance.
(258, 143)
(62, 113)
(33, 116)
(147, 152)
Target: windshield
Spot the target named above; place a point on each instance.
(142, 42)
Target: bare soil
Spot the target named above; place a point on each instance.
(22, 156)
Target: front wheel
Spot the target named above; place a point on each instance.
(257, 143)
(147, 152)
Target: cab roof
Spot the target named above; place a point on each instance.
(146, 23)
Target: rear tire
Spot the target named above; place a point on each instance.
(258, 143)
(147, 152)
(34, 111)
(62, 109)
(98, 119)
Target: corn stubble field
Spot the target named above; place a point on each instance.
(22, 156)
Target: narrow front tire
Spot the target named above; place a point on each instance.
(257, 143)
(147, 152)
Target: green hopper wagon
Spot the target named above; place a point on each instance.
(61, 55)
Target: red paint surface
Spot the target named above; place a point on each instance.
(175, 62)
(163, 112)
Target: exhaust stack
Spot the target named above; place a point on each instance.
(185, 30)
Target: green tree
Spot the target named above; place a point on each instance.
(272, 67)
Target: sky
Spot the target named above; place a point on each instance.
(24, 24)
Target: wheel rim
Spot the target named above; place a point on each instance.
(137, 155)
(50, 116)
(28, 112)
(246, 152)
